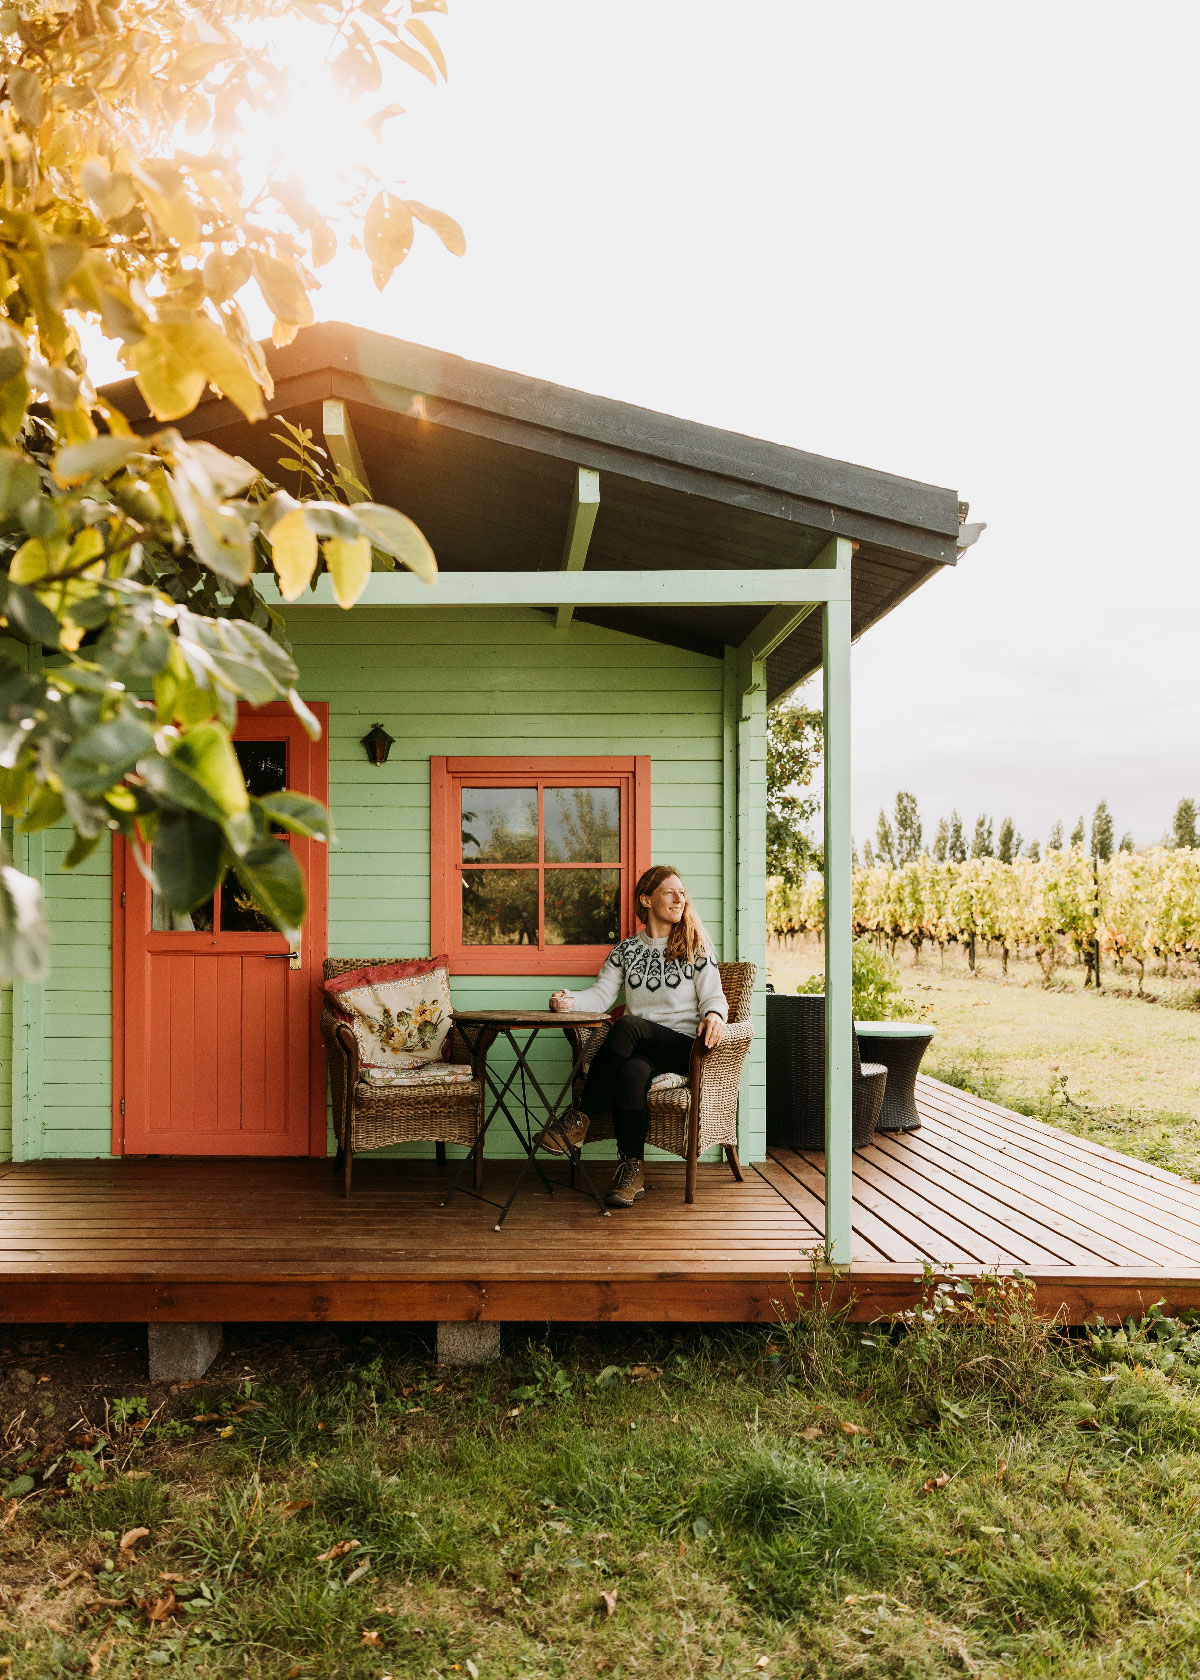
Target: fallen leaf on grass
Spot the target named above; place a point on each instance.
(644, 1373)
(609, 1601)
(337, 1551)
(853, 1429)
(935, 1482)
(14, 1507)
(136, 1475)
(1001, 1468)
(170, 1579)
(515, 1412)
(294, 1672)
(226, 1432)
(131, 1537)
(207, 1417)
(159, 1609)
(370, 1637)
(357, 1574)
(813, 1434)
(97, 1656)
(294, 1506)
(762, 1662)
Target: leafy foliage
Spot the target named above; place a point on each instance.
(876, 987)
(142, 197)
(794, 738)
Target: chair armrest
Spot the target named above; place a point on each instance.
(735, 1041)
(343, 1037)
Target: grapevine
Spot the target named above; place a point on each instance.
(1059, 908)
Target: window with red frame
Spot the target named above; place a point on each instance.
(533, 860)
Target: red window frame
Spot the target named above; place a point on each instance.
(447, 777)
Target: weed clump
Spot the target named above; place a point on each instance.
(802, 1527)
(973, 1338)
(119, 1505)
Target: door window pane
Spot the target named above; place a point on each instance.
(264, 765)
(163, 920)
(500, 906)
(583, 824)
(239, 913)
(583, 906)
(499, 825)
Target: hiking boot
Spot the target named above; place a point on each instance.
(571, 1129)
(629, 1183)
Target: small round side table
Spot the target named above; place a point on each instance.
(899, 1045)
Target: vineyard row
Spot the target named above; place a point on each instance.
(1062, 907)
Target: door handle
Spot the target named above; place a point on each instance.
(292, 957)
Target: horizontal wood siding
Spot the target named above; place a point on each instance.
(76, 1008)
(488, 681)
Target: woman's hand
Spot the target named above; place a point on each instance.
(562, 1000)
(711, 1030)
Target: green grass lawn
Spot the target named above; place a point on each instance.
(812, 1501)
(1114, 1068)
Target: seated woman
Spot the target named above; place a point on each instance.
(673, 996)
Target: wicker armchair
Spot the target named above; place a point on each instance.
(796, 1075)
(373, 1118)
(687, 1119)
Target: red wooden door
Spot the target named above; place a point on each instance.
(217, 1048)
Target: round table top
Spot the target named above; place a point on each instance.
(894, 1029)
(528, 1018)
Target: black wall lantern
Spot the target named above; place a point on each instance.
(378, 743)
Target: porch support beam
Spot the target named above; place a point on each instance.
(772, 630)
(765, 587)
(585, 505)
(343, 446)
(839, 1011)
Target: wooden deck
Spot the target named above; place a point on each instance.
(252, 1240)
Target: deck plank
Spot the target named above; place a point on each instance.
(977, 1186)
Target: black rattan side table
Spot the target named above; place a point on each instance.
(899, 1046)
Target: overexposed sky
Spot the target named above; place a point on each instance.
(952, 242)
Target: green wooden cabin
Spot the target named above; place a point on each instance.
(621, 596)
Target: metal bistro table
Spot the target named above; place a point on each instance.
(899, 1045)
(481, 1028)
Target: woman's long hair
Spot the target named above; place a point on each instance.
(688, 940)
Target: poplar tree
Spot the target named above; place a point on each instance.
(981, 843)
(1103, 839)
(941, 841)
(1185, 828)
(956, 847)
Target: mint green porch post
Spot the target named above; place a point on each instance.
(839, 1016)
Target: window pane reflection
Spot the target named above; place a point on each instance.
(499, 825)
(500, 906)
(165, 920)
(239, 913)
(583, 906)
(583, 824)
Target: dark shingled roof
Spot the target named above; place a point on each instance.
(484, 460)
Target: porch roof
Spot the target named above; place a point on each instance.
(486, 462)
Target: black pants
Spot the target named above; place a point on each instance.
(632, 1054)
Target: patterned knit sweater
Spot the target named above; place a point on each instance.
(675, 994)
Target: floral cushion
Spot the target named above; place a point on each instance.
(667, 1081)
(399, 1012)
(432, 1073)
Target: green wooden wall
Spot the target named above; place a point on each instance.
(467, 681)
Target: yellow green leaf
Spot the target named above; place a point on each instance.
(396, 535)
(387, 235)
(294, 553)
(446, 228)
(167, 375)
(35, 558)
(429, 41)
(349, 566)
(283, 290)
